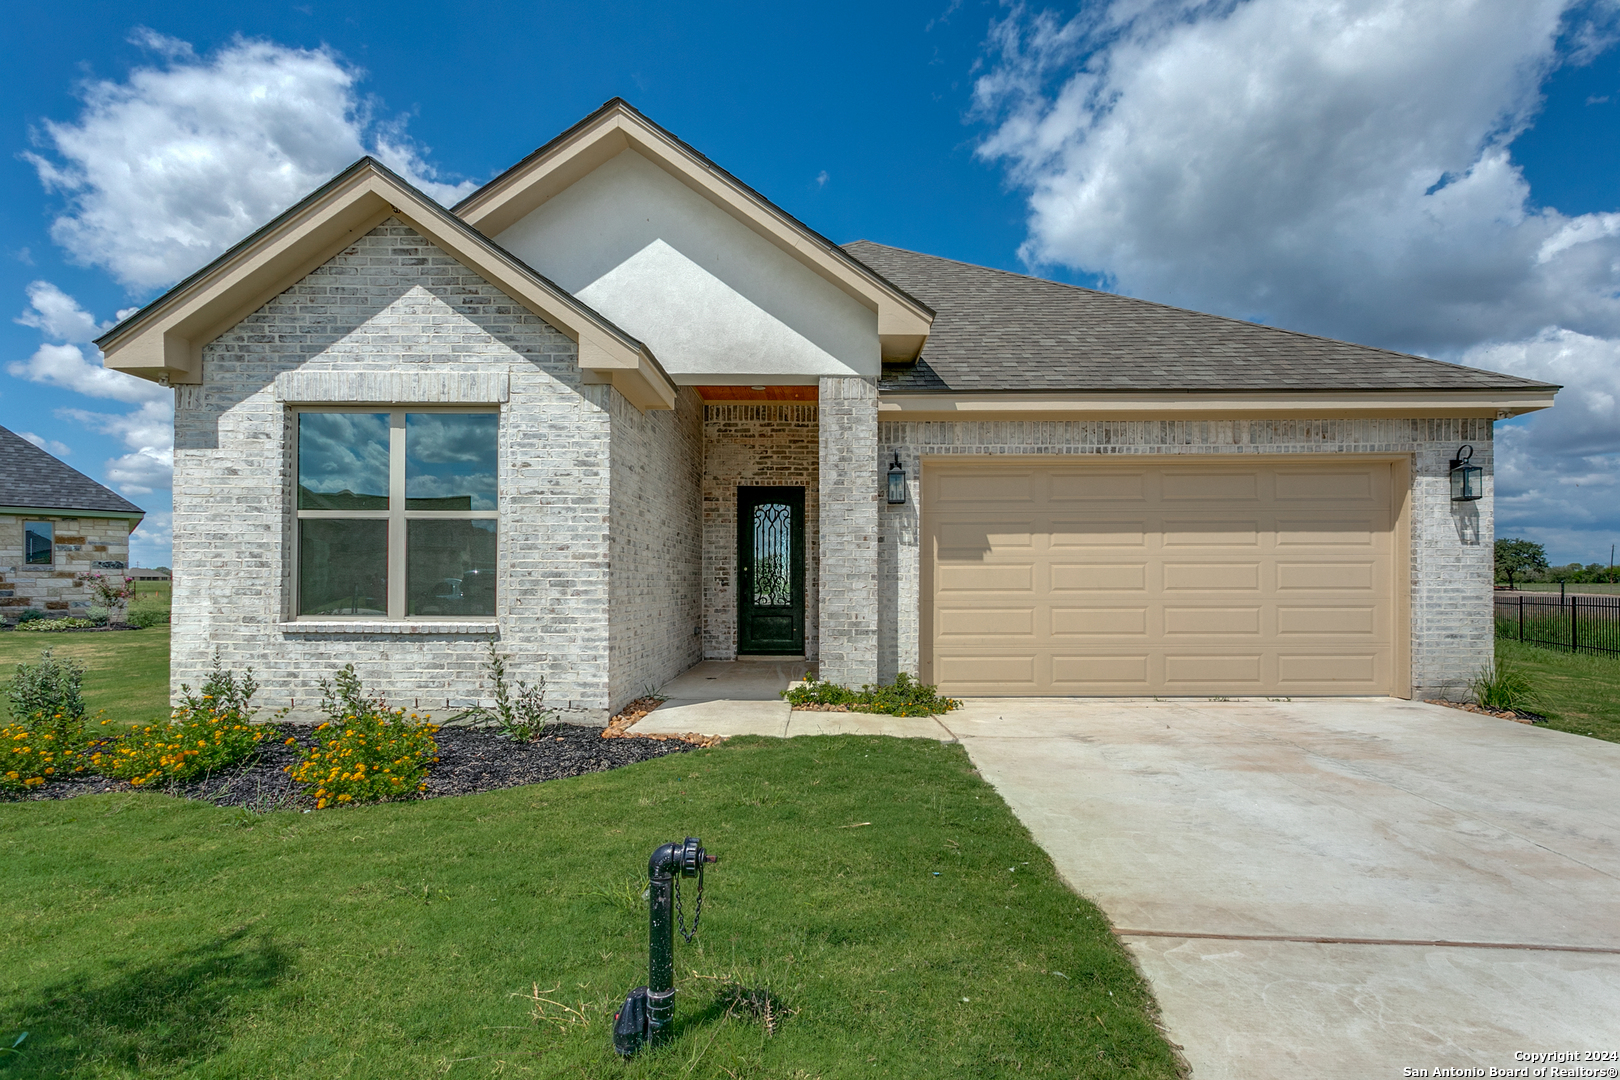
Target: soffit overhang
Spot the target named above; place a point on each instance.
(163, 341)
(1182, 405)
(903, 321)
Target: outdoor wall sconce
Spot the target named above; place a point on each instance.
(1466, 484)
(897, 482)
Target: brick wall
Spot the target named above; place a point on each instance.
(755, 444)
(1451, 543)
(83, 546)
(656, 587)
(393, 302)
(849, 531)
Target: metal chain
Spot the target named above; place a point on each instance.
(697, 911)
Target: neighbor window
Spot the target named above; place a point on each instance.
(396, 513)
(38, 541)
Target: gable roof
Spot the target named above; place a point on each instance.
(31, 479)
(996, 331)
(617, 126)
(164, 340)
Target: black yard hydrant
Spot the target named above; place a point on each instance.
(649, 1010)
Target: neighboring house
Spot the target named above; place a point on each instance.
(141, 573)
(622, 412)
(55, 523)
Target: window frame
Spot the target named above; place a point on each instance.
(50, 546)
(396, 515)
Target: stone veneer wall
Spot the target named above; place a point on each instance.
(393, 303)
(849, 531)
(655, 614)
(1451, 544)
(755, 444)
(83, 546)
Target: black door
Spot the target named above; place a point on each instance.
(770, 570)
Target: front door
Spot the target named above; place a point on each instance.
(770, 570)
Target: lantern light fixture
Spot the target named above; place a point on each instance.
(1466, 479)
(897, 481)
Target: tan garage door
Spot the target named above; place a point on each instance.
(1173, 579)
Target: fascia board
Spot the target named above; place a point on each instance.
(903, 322)
(167, 343)
(59, 511)
(1494, 404)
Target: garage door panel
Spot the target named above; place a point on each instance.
(1360, 620)
(976, 622)
(986, 577)
(1208, 486)
(1211, 576)
(1179, 533)
(1095, 486)
(1098, 622)
(1359, 576)
(1220, 621)
(1098, 577)
(1175, 578)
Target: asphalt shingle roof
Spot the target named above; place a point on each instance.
(999, 331)
(29, 477)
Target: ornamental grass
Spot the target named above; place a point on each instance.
(366, 752)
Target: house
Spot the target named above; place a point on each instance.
(623, 413)
(55, 523)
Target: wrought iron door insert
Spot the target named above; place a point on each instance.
(770, 570)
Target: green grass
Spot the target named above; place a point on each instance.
(145, 936)
(126, 671)
(1601, 588)
(1579, 693)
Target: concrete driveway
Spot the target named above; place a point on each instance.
(1344, 888)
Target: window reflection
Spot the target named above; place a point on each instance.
(450, 461)
(343, 567)
(450, 567)
(342, 461)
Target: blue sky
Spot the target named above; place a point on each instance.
(1438, 176)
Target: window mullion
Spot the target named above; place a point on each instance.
(396, 515)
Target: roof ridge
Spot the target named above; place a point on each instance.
(1122, 297)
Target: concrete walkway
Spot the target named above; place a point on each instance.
(1329, 888)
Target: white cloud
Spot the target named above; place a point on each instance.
(151, 544)
(168, 168)
(67, 366)
(57, 315)
(1337, 166)
(50, 446)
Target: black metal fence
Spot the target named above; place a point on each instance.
(1577, 623)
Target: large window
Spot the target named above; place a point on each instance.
(396, 513)
(38, 542)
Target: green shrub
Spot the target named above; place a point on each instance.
(365, 751)
(143, 618)
(211, 729)
(30, 615)
(57, 626)
(521, 716)
(903, 697)
(46, 688)
(50, 748)
(1503, 687)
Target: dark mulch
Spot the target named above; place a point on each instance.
(470, 760)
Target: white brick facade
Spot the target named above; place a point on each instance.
(1451, 543)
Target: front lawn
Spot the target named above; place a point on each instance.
(126, 671)
(899, 915)
(1578, 692)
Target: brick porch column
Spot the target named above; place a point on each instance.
(849, 530)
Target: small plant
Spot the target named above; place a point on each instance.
(365, 751)
(30, 615)
(143, 619)
(50, 748)
(112, 593)
(57, 626)
(1502, 687)
(48, 688)
(211, 729)
(521, 716)
(903, 697)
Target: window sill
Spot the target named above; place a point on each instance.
(357, 626)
